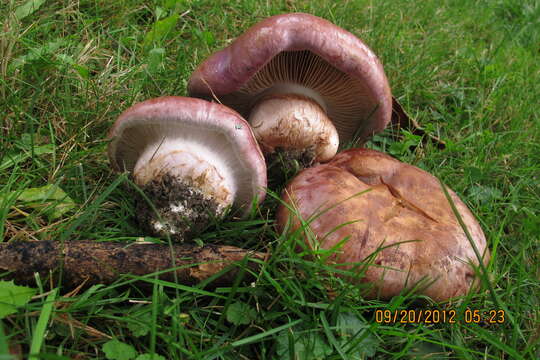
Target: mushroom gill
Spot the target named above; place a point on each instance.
(305, 73)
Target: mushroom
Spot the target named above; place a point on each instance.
(303, 83)
(193, 159)
(397, 228)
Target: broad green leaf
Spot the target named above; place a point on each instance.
(308, 345)
(160, 30)
(208, 38)
(353, 337)
(51, 198)
(474, 173)
(160, 12)
(83, 71)
(47, 192)
(67, 60)
(37, 53)
(484, 194)
(28, 8)
(142, 327)
(13, 158)
(240, 313)
(12, 296)
(117, 350)
(155, 59)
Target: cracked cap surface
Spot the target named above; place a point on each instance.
(392, 205)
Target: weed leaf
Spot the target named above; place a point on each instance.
(484, 194)
(240, 313)
(307, 346)
(155, 59)
(51, 198)
(353, 336)
(140, 328)
(160, 30)
(37, 53)
(14, 158)
(117, 350)
(13, 296)
(28, 8)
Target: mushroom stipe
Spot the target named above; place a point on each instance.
(92, 262)
(207, 150)
(263, 73)
(182, 210)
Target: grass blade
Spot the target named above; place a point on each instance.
(483, 271)
(39, 332)
(262, 335)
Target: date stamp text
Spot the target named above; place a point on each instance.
(439, 316)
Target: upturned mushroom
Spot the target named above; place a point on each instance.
(193, 159)
(395, 222)
(303, 83)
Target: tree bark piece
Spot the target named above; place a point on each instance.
(104, 262)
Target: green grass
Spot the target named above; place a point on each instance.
(467, 70)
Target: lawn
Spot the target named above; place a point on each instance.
(466, 70)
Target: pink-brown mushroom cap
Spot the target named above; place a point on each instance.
(396, 209)
(228, 70)
(183, 116)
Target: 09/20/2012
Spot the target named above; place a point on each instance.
(439, 316)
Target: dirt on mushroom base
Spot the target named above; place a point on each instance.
(183, 211)
(285, 163)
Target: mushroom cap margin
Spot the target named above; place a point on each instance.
(227, 70)
(200, 114)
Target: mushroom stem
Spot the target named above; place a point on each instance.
(189, 184)
(294, 121)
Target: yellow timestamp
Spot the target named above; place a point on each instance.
(439, 316)
(492, 316)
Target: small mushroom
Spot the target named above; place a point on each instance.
(193, 159)
(394, 218)
(303, 83)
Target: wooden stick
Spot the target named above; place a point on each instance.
(104, 262)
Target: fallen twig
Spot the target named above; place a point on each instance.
(104, 262)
